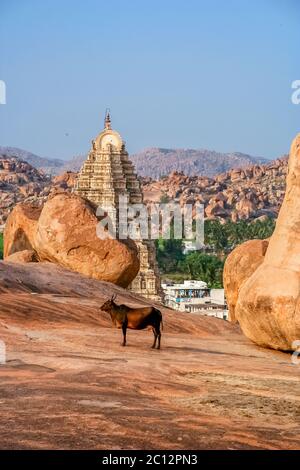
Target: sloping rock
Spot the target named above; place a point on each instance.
(68, 384)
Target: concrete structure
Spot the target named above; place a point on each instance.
(195, 297)
(189, 246)
(177, 296)
(106, 174)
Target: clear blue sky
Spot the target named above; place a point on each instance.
(195, 74)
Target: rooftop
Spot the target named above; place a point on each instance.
(188, 284)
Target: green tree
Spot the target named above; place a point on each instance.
(222, 238)
(164, 198)
(200, 266)
(215, 236)
(169, 254)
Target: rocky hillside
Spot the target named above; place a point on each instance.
(74, 164)
(247, 193)
(157, 162)
(47, 165)
(19, 181)
(153, 162)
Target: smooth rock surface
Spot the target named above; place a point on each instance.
(268, 302)
(68, 383)
(239, 265)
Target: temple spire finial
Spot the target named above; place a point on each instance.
(107, 121)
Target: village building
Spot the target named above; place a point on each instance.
(194, 296)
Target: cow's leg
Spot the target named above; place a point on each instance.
(124, 329)
(155, 337)
(158, 333)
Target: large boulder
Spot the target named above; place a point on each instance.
(20, 229)
(65, 180)
(63, 231)
(239, 266)
(268, 305)
(245, 208)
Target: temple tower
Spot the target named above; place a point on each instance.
(105, 175)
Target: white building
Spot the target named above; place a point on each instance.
(190, 245)
(195, 297)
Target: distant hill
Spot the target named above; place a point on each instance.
(158, 162)
(74, 164)
(153, 162)
(48, 165)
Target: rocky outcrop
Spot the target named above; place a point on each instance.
(25, 256)
(267, 307)
(46, 165)
(239, 194)
(63, 231)
(65, 180)
(21, 182)
(21, 227)
(249, 193)
(239, 266)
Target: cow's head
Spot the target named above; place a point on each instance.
(109, 304)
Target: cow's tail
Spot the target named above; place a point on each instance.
(160, 318)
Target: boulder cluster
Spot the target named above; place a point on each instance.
(262, 277)
(21, 182)
(238, 194)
